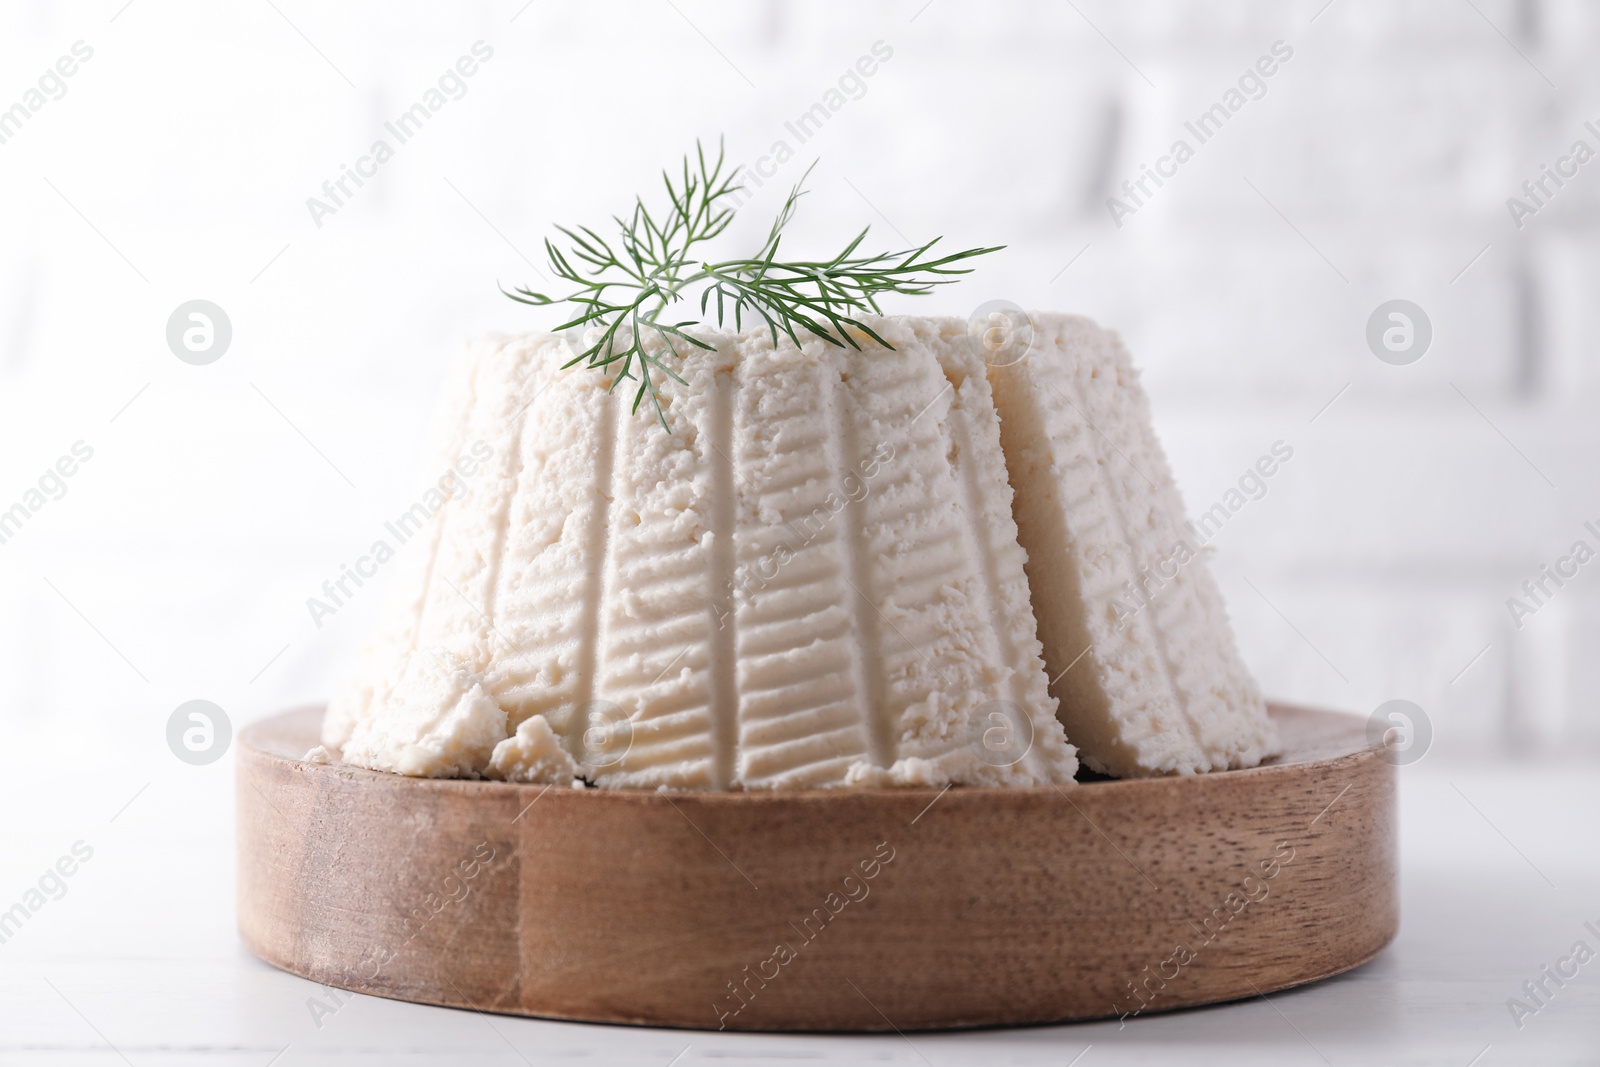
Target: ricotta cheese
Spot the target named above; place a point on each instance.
(817, 580)
(1138, 644)
(813, 581)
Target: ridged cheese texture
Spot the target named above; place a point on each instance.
(1136, 638)
(814, 581)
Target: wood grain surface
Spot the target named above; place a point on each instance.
(876, 910)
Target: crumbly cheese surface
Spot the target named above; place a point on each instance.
(814, 581)
(1134, 630)
(821, 578)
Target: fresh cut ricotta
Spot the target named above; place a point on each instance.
(813, 581)
(842, 568)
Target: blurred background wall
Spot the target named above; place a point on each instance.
(1375, 163)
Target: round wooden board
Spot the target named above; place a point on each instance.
(908, 909)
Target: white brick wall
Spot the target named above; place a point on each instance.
(1390, 141)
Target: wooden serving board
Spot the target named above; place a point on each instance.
(908, 909)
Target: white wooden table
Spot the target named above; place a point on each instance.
(138, 961)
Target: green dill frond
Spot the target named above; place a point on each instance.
(626, 290)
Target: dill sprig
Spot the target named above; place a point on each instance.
(653, 266)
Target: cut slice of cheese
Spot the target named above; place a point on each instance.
(814, 581)
(1135, 635)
